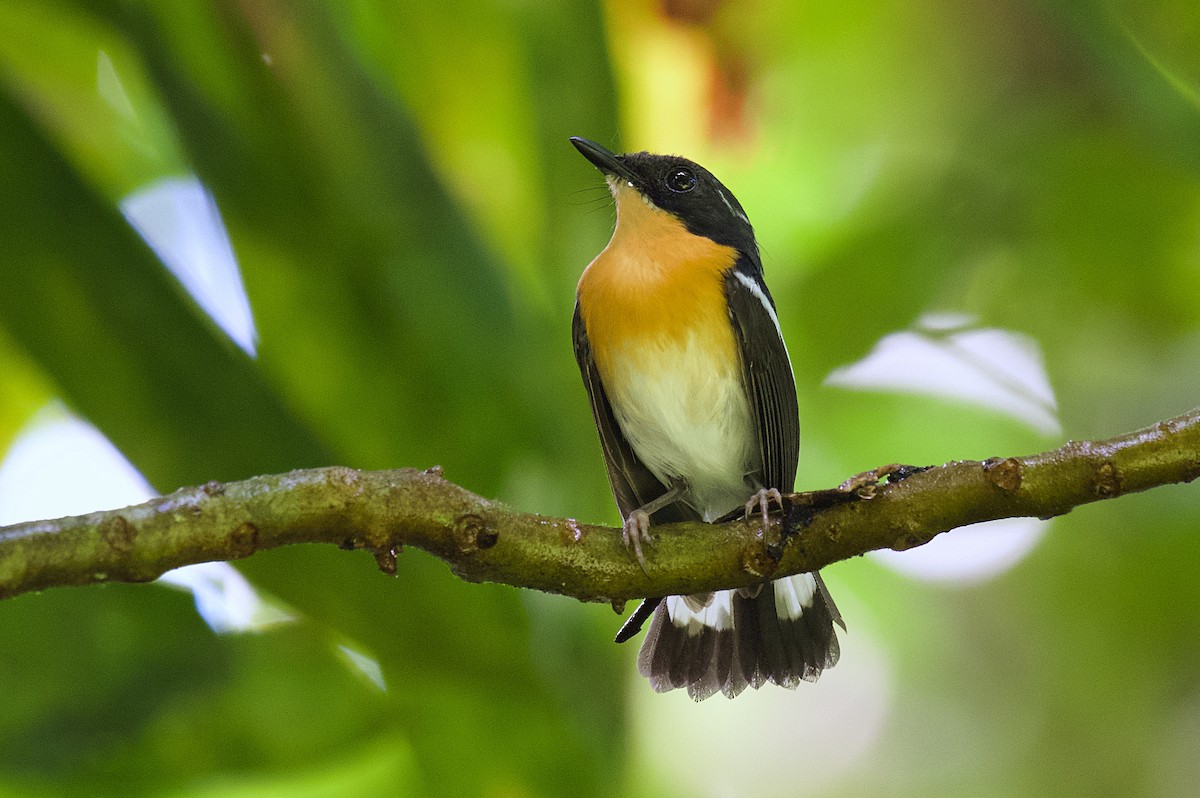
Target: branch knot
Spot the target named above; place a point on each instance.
(1004, 474)
(118, 533)
(1108, 480)
(473, 534)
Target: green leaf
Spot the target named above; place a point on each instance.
(92, 305)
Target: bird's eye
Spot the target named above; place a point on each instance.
(681, 180)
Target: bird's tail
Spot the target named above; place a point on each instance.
(781, 633)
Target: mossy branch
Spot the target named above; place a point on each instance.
(482, 540)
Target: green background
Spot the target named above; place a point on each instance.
(410, 221)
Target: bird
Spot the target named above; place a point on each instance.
(691, 387)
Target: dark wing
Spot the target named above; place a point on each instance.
(767, 372)
(632, 483)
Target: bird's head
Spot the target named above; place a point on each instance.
(644, 183)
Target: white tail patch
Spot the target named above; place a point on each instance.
(692, 615)
(793, 595)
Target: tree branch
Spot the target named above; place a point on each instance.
(482, 540)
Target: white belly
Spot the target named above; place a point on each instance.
(685, 414)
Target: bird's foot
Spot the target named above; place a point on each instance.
(760, 503)
(865, 484)
(636, 533)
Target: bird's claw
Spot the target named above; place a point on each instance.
(866, 484)
(761, 502)
(635, 533)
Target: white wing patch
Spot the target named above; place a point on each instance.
(689, 614)
(754, 288)
(793, 595)
(757, 291)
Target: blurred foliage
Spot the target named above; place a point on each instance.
(410, 220)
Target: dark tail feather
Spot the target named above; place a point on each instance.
(784, 635)
(750, 651)
(670, 657)
(730, 679)
(633, 624)
(827, 599)
(772, 652)
(661, 651)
